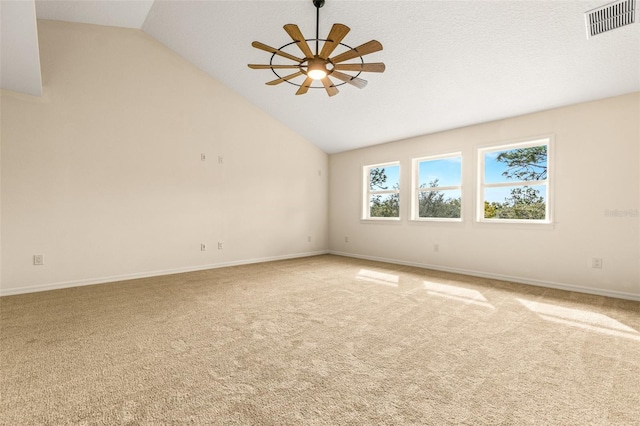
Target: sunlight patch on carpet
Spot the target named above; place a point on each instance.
(587, 320)
(461, 294)
(378, 277)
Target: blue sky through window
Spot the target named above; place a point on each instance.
(446, 170)
(493, 170)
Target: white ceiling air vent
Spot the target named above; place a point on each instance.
(610, 16)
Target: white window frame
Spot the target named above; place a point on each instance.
(546, 183)
(367, 192)
(416, 190)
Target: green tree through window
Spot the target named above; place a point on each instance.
(383, 191)
(437, 187)
(527, 168)
(436, 204)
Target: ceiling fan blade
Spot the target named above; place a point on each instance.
(270, 49)
(372, 67)
(296, 35)
(266, 67)
(363, 49)
(337, 33)
(329, 87)
(285, 78)
(354, 81)
(305, 86)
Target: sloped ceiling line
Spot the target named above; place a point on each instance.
(19, 52)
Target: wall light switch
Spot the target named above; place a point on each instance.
(38, 259)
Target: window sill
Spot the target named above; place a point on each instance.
(515, 224)
(437, 220)
(389, 220)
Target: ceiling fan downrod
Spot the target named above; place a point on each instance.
(318, 4)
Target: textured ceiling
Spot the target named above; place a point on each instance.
(449, 63)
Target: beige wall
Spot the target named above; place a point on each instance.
(596, 152)
(103, 176)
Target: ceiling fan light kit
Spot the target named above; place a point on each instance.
(319, 66)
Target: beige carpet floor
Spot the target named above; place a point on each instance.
(324, 340)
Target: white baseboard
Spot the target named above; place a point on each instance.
(520, 280)
(148, 274)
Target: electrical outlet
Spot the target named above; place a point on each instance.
(38, 259)
(203, 247)
(220, 159)
(220, 246)
(596, 263)
(436, 247)
(346, 239)
(203, 157)
(309, 239)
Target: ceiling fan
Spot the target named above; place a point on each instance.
(319, 65)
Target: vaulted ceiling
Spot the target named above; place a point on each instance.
(448, 63)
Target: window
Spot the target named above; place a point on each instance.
(437, 187)
(381, 191)
(514, 183)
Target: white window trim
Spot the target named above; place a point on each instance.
(544, 140)
(366, 192)
(415, 188)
